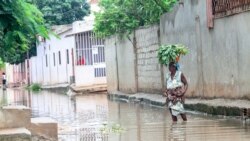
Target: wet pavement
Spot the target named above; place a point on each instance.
(83, 119)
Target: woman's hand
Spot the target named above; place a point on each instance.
(183, 90)
(170, 97)
(165, 93)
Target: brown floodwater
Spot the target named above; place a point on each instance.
(95, 118)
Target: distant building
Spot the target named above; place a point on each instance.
(75, 56)
(54, 61)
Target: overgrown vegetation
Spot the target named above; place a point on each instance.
(58, 12)
(2, 64)
(112, 128)
(35, 87)
(20, 23)
(124, 16)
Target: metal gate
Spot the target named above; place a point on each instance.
(99, 63)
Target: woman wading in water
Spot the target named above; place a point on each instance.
(176, 88)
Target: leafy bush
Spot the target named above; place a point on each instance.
(59, 12)
(124, 16)
(34, 87)
(171, 53)
(114, 128)
(20, 23)
(2, 64)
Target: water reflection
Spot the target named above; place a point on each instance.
(81, 119)
(3, 98)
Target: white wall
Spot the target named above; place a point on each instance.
(84, 75)
(9, 73)
(53, 74)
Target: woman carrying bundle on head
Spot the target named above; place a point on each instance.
(176, 88)
(176, 83)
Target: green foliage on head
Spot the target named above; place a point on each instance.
(171, 53)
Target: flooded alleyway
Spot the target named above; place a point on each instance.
(83, 119)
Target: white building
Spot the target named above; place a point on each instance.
(54, 61)
(76, 54)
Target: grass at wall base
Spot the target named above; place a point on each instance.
(34, 87)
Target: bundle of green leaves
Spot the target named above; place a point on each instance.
(171, 53)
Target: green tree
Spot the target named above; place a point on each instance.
(20, 23)
(58, 12)
(124, 16)
(2, 65)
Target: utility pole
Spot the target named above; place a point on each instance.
(28, 68)
(28, 79)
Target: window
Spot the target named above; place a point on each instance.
(59, 57)
(67, 54)
(46, 60)
(100, 72)
(54, 57)
(222, 8)
(84, 48)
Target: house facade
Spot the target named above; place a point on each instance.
(54, 61)
(77, 56)
(90, 67)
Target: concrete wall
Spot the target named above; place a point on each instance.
(9, 73)
(45, 127)
(12, 118)
(111, 63)
(16, 74)
(131, 69)
(149, 70)
(9, 118)
(120, 59)
(126, 65)
(34, 75)
(84, 75)
(218, 62)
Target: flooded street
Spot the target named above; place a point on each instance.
(83, 119)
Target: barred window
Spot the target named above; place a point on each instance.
(222, 8)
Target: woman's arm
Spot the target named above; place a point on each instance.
(184, 81)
